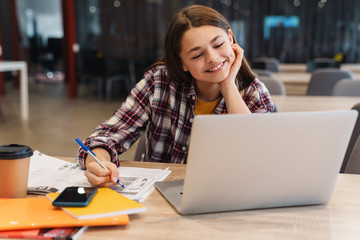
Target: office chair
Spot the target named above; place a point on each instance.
(141, 144)
(347, 87)
(319, 63)
(105, 70)
(354, 145)
(353, 165)
(271, 64)
(128, 77)
(322, 81)
(93, 69)
(262, 72)
(133, 69)
(140, 148)
(275, 86)
(258, 65)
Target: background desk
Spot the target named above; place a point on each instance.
(339, 219)
(296, 83)
(296, 79)
(302, 67)
(24, 94)
(313, 103)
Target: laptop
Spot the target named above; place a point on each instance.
(241, 162)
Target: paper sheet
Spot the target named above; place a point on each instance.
(49, 174)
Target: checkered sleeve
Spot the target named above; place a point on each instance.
(258, 99)
(118, 133)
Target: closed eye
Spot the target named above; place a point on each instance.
(218, 46)
(197, 56)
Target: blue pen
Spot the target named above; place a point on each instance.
(88, 150)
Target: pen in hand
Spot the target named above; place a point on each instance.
(93, 155)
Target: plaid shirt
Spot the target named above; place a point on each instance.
(167, 109)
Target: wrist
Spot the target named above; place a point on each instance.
(228, 87)
(101, 153)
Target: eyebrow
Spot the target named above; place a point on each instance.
(197, 48)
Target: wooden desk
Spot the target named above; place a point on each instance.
(296, 79)
(302, 67)
(339, 219)
(293, 67)
(313, 103)
(354, 67)
(296, 83)
(24, 94)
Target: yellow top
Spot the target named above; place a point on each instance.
(202, 107)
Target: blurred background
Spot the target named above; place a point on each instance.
(103, 34)
(96, 50)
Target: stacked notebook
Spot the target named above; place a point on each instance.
(108, 207)
(106, 203)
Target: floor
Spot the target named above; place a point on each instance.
(55, 119)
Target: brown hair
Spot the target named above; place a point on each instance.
(196, 16)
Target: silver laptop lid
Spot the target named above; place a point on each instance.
(252, 161)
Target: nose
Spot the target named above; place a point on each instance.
(212, 57)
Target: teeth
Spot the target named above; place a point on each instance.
(216, 68)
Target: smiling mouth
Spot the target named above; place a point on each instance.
(217, 67)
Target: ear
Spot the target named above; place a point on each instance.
(185, 69)
(231, 36)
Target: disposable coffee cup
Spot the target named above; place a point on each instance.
(14, 170)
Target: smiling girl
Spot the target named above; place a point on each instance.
(203, 71)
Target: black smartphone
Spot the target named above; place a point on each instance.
(75, 197)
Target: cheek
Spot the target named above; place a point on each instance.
(232, 53)
(231, 56)
(195, 66)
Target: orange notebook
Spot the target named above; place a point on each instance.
(106, 203)
(30, 213)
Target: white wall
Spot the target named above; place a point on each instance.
(48, 18)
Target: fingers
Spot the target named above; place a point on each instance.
(114, 172)
(98, 176)
(235, 67)
(239, 54)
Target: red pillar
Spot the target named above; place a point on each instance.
(1, 58)
(14, 37)
(68, 10)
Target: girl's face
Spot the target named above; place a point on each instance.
(207, 54)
